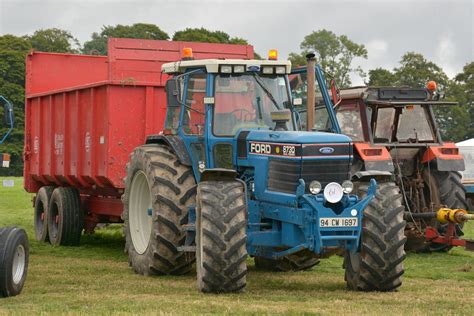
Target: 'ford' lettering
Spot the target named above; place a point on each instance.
(326, 150)
(260, 148)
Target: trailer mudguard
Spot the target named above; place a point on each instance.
(174, 142)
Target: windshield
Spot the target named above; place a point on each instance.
(413, 125)
(246, 101)
(299, 88)
(349, 120)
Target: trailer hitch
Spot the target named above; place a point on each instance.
(451, 218)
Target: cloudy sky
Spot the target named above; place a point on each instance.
(443, 31)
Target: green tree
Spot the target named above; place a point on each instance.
(334, 53)
(13, 51)
(415, 71)
(54, 40)
(98, 43)
(381, 77)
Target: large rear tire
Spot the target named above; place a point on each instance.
(14, 257)
(65, 217)
(378, 266)
(301, 261)
(443, 189)
(41, 213)
(221, 237)
(158, 193)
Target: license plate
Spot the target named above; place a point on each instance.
(338, 222)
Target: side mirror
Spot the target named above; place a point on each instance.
(335, 93)
(297, 101)
(8, 118)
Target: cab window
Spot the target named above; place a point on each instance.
(194, 116)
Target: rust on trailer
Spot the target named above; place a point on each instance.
(86, 114)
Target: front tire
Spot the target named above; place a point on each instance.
(14, 257)
(221, 237)
(378, 266)
(158, 193)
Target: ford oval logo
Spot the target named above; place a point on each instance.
(326, 150)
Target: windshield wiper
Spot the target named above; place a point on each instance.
(267, 92)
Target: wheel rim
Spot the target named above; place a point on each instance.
(54, 220)
(18, 266)
(140, 217)
(39, 217)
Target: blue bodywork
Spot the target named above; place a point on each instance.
(281, 223)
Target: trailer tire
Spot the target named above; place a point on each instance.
(42, 200)
(65, 217)
(168, 189)
(221, 222)
(14, 255)
(378, 266)
(301, 261)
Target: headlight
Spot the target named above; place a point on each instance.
(333, 192)
(347, 186)
(315, 187)
(226, 69)
(267, 70)
(280, 70)
(239, 69)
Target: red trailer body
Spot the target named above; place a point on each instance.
(86, 114)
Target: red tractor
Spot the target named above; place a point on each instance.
(396, 139)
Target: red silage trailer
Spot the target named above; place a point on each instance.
(86, 114)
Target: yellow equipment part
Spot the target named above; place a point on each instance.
(458, 216)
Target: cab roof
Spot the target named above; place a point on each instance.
(213, 65)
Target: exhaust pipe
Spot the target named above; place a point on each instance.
(311, 78)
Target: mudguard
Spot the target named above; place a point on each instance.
(174, 142)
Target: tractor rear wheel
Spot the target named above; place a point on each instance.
(221, 237)
(158, 193)
(442, 189)
(378, 266)
(14, 254)
(41, 213)
(300, 261)
(65, 217)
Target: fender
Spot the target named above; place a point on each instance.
(446, 157)
(374, 157)
(174, 142)
(218, 174)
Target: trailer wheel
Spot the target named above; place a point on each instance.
(158, 193)
(221, 237)
(378, 266)
(65, 217)
(14, 254)
(300, 261)
(41, 213)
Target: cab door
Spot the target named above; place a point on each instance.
(325, 116)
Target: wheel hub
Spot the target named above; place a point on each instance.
(140, 212)
(18, 266)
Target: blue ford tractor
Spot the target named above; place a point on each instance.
(232, 175)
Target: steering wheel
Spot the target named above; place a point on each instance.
(242, 111)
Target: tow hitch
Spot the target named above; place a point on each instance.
(451, 218)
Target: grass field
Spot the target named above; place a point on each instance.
(95, 278)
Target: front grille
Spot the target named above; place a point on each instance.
(283, 175)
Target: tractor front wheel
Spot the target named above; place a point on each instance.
(378, 265)
(221, 237)
(14, 253)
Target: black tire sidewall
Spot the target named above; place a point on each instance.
(14, 237)
(42, 205)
